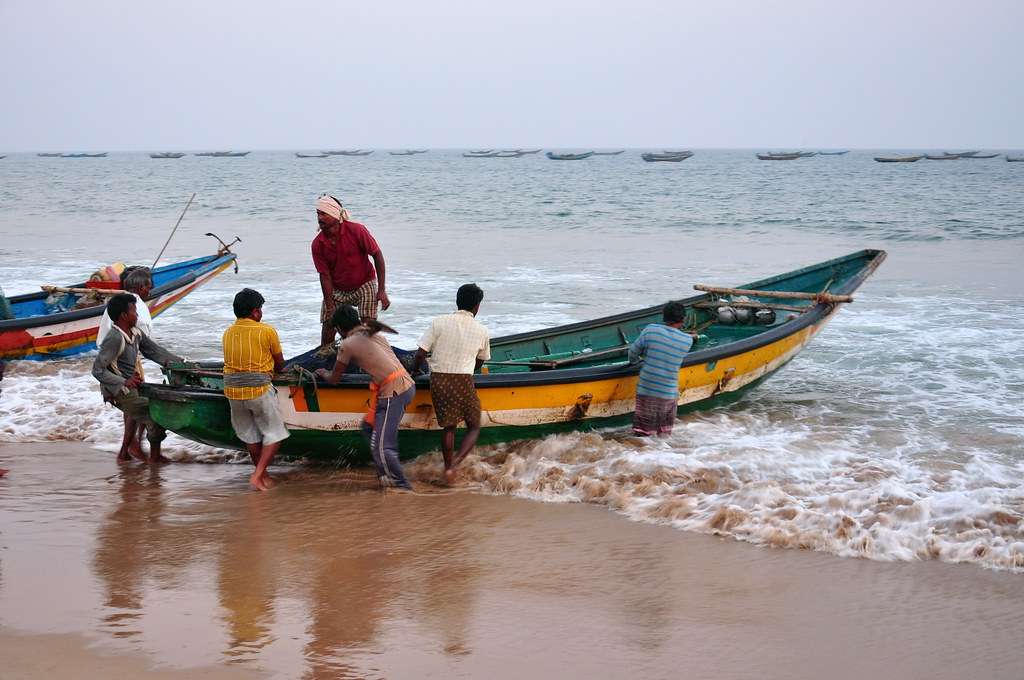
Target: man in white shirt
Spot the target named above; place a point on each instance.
(458, 345)
(139, 282)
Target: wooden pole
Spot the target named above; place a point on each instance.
(180, 218)
(81, 291)
(785, 294)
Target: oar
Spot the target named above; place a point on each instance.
(180, 218)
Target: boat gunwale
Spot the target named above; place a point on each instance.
(201, 265)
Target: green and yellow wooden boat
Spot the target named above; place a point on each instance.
(573, 377)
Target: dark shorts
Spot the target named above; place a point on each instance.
(136, 406)
(654, 415)
(455, 399)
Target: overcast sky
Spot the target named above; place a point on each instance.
(146, 75)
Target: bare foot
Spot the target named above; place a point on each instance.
(123, 457)
(258, 482)
(136, 452)
(3, 472)
(159, 459)
(449, 477)
(269, 481)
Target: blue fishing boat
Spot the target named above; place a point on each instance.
(48, 325)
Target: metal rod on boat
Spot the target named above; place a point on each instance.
(180, 218)
(792, 295)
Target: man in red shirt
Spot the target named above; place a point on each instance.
(341, 254)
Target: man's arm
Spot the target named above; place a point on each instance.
(417, 362)
(278, 362)
(327, 288)
(378, 264)
(639, 346)
(334, 377)
(155, 352)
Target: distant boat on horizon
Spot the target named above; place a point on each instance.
(792, 156)
(311, 155)
(166, 154)
(353, 152)
(84, 155)
(474, 154)
(666, 156)
(898, 159)
(48, 155)
(944, 157)
(608, 153)
(569, 156)
(479, 151)
(833, 153)
(1014, 159)
(224, 154)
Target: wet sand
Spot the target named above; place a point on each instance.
(182, 569)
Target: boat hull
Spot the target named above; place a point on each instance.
(324, 421)
(66, 334)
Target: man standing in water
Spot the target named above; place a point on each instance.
(662, 347)
(139, 282)
(458, 345)
(119, 371)
(252, 354)
(391, 388)
(341, 254)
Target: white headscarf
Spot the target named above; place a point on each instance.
(332, 206)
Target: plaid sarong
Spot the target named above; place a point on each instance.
(654, 416)
(363, 298)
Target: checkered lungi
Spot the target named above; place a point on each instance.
(455, 399)
(363, 298)
(654, 416)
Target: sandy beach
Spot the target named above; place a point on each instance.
(181, 571)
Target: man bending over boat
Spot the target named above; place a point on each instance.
(252, 354)
(661, 347)
(391, 389)
(118, 367)
(458, 345)
(139, 282)
(341, 254)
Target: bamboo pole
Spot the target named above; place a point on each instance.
(81, 291)
(785, 294)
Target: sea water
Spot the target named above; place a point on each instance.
(898, 434)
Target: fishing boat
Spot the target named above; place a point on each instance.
(608, 153)
(36, 330)
(166, 154)
(1015, 159)
(568, 156)
(666, 157)
(778, 156)
(84, 155)
(979, 156)
(471, 154)
(963, 154)
(521, 152)
(403, 153)
(574, 377)
(943, 157)
(224, 154)
(2, 157)
(807, 154)
(48, 155)
(311, 155)
(483, 151)
(898, 159)
(348, 153)
(833, 153)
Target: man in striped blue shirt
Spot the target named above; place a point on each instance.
(661, 347)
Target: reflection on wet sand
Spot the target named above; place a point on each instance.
(326, 578)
